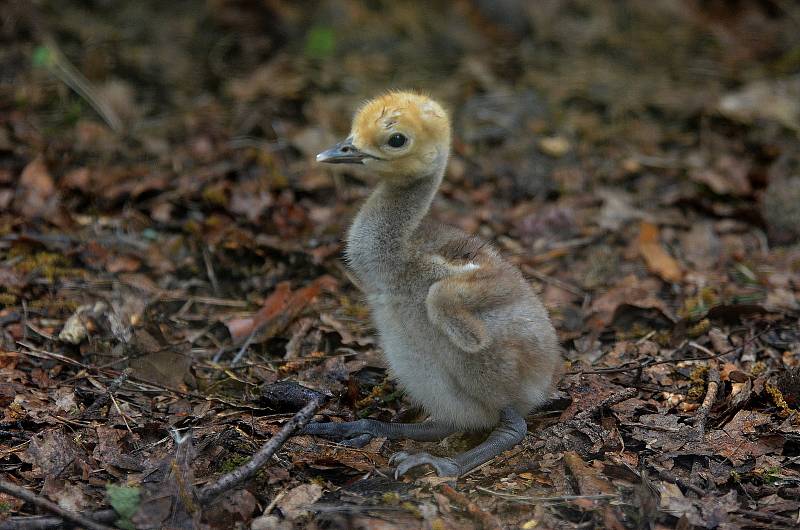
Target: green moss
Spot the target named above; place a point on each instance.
(7, 299)
(697, 306)
(232, 463)
(769, 475)
(216, 195)
(320, 42)
(54, 306)
(47, 264)
(700, 328)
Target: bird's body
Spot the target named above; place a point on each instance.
(465, 389)
(463, 332)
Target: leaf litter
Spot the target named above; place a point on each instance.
(171, 288)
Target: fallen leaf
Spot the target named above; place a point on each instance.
(36, 193)
(123, 263)
(279, 309)
(657, 259)
(236, 505)
(728, 176)
(774, 99)
(52, 452)
(67, 495)
(632, 291)
(297, 500)
(701, 246)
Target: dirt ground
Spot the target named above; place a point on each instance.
(170, 257)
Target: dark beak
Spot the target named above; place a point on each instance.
(342, 153)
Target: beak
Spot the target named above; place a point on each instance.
(342, 153)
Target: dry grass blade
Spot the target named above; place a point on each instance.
(60, 66)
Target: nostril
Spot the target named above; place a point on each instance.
(345, 149)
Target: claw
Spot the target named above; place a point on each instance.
(444, 467)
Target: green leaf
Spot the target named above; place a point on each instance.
(42, 56)
(125, 501)
(320, 42)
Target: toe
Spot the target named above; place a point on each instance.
(444, 467)
(398, 457)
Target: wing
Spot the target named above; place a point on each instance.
(458, 304)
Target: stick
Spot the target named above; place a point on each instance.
(670, 477)
(210, 271)
(482, 517)
(558, 431)
(555, 499)
(768, 517)
(711, 395)
(613, 399)
(27, 496)
(38, 522)
(636, 365)
(243, 349)
(262, 456)
(104, 398)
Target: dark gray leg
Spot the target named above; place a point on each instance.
(507, 434)
(358, 433)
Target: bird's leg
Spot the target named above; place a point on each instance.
(358, 433)
(507, 434)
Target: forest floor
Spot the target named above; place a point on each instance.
(170, 257)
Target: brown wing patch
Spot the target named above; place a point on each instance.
(466, 249)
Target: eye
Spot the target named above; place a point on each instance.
(396, 140)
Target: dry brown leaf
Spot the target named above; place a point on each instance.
(36, 195)
(123, 263)
(297, 500)
(657, 259)
(279, 309)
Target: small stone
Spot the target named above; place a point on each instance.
(555, 146)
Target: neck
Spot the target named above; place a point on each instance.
(379, 236)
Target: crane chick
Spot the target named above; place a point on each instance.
(462, 330)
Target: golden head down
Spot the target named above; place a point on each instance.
(397, 136)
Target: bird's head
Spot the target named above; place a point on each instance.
(400, 136)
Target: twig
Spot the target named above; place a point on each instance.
(700, 348)
(674, 479)
(27, 496)
(262, 456)
(701, 417)
(558, 432)
(555, 499)
(24, 320)
(39, 353)
(243, 349)
(121, 414)
(210, 271)
(482, 517)
(39, 522)
(613, 399)
(101, 401)
(768, 517)
(636, 365)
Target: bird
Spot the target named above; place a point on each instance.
(463, 332)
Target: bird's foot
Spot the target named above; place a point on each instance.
(444, 467)
(350, 434)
